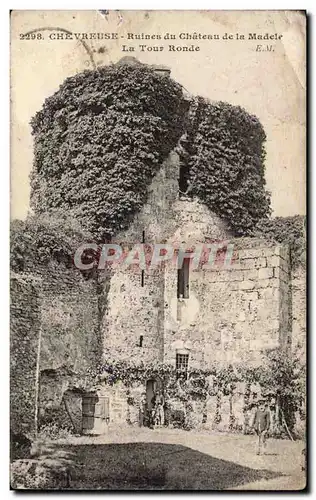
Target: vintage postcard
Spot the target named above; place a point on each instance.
(158, 250)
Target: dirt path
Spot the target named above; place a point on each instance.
(165, 459)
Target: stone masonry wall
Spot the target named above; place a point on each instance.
(24, 338)
(134, 311)
(70, 325)
(71, 342)
(164, 219)
(67, 310)
(232, 314)
(298, 289)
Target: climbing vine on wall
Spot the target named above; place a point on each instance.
(281, 378)
(37, 243)
(25, 325)
(100, 139)
(286, 230)
(223, 150)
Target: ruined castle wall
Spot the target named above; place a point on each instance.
(133, 311)
(24, 337)
(63, 306)
(298, 289)
(164, 219)
(232, 313)
(69, 322)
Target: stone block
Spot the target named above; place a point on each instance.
(246, 285)
(265, 273)
(246, 264)
(253, 263)
(234, 286)
(252, 253)
(267, 283)
(236, 275)
(260, 262)
(251, 274)
(279, 273)
(269, 311)
(269, 293)
(273, 261)
(225, 275)
(249, 296)
(236, 265)
(269, 251)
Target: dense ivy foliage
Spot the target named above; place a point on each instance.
(286, 230)
(100, 139)
(224, 376)
(39, 243)
(223, 150)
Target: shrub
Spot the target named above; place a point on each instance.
(285, 376)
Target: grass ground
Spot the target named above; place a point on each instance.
(166, 459)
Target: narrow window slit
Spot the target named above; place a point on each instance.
(143, 272)
(184, 176)
(183, 288)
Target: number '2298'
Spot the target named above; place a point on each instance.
(31, 36)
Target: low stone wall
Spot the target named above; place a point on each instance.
(24, 339)
(298, 289)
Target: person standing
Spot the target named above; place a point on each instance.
(160, 403)
(153, 411)
(142, 410)
(261, 424)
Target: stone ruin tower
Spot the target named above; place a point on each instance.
(194, 318)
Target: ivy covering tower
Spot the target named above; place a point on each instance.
(102, 137)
